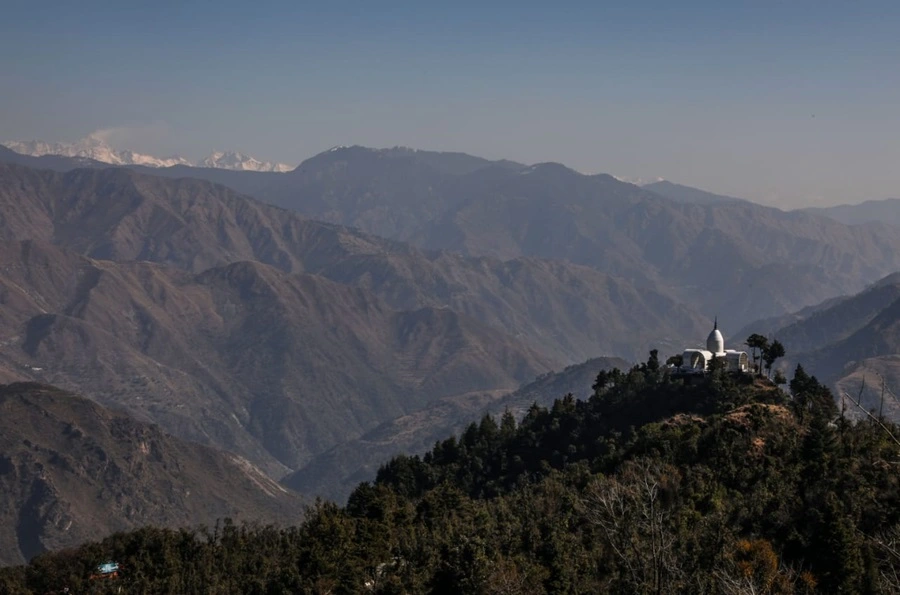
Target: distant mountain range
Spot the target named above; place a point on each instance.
(240, 162)
(703, 249)
(272, 366)
(568, 312)
(885, 211)
(372, 300)
(277, 337)
(697, 248)
(687, 194)
(97, 150)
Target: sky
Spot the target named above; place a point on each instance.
(788, 103)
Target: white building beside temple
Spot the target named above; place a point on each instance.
(696, 361)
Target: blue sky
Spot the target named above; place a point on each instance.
(789, 103)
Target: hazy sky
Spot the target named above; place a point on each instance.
(791, 103)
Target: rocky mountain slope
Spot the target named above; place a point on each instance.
(852, 343)
(832, 321)
(273, 366)
(565, 311)
(697, 247)
(665, 254)
(71, 470)
(248, 327)
(865, 364)
(706, 250)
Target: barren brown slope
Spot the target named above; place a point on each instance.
(878, 336)
(861, 382)
(72, 471)
(274, 366)
(568, 312)
(837, 319)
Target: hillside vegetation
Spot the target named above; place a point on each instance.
(648, 486)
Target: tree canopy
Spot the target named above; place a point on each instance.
(649, 486)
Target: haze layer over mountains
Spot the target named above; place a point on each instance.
(314, 322)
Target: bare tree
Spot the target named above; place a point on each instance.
(636, 525)
(888, 548)
(515, 577)
(751, 567)
(874, 419)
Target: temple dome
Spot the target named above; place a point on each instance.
(714, 342)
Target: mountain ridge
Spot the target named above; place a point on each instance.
(246, 357)
(885, 210)
(851, 343)
(708, 252)
(195, 225)
(96, 149)
(687, 194)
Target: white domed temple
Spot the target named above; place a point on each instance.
(696, 361)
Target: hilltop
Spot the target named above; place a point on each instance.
(649, 486)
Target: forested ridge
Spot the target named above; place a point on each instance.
(729, 485)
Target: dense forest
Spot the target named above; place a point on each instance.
(653, 485)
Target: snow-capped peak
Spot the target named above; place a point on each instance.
(93, 147)
(638, 181)
(240, 161)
